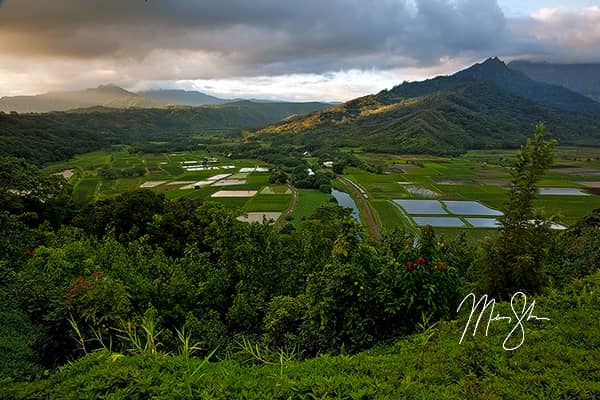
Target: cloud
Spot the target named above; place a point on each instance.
(568, 35)
(77, 43)
(253, 38)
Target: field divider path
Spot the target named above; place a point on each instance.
(288, 213)
(363, 204)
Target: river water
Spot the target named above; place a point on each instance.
(345, 200)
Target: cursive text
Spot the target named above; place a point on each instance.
(520, 316)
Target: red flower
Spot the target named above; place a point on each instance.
(420, 261)
(410, 266)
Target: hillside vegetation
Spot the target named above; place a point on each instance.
(445, 115)
(41, 138)
(182, 97)
(581, 78)
(138, 296)
(557, 360)
(103, 96)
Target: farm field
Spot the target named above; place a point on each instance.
(480, 176)
(570, 187)
(308, 201)
(179, 175)
(103, 175)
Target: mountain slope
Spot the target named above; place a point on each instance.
(442, 115)
(581, 78)
(104, 95)
(517, 83)
(41, 138)
(182, 97)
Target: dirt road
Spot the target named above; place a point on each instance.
(363, 204)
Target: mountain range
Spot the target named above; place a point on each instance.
(183, 97)
(105, 96)
(581, 78)
(485, 106)
(45, 137)
(488, 105)
(110, 96)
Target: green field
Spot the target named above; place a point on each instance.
(388, 216)
(268, 202)
(90, 185)
(477, 176)
(308, 201)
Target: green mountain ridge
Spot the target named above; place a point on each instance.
(519, 84)
(42, 138)
(114, 97)
(104, 95)
(581, 78)
(182, 97)
(445, 115)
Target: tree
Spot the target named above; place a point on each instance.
(31, 194)
(515, 260)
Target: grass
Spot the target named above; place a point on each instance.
(558, 359)
(478, 176)
(159, 167)
(85, 190)
(231, 202)
(567, 209)
(256, 180)
(270, 202)
(471, 235)
(308, 201)
(388, 216)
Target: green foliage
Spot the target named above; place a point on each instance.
(18, 338)
(278, 177)
(98, 301)
(186, 278)
(417, 282)
(34, 196)
(109, 173)
(445, 116)
(41, 138)
(557, 360)
(283, 321)
(577, 251)
(515, 260)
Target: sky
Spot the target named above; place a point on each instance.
(332, 50)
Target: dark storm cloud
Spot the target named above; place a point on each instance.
(260, 36)
(264, 37)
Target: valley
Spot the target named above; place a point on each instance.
(299, 200)
(480, 176)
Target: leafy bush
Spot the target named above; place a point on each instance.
(515, 260)
(558, 359)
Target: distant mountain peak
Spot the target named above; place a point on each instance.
(493, 61)
(109, 95)
(487, 105)
(490, 69)
(583, 78)
(112, 88)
